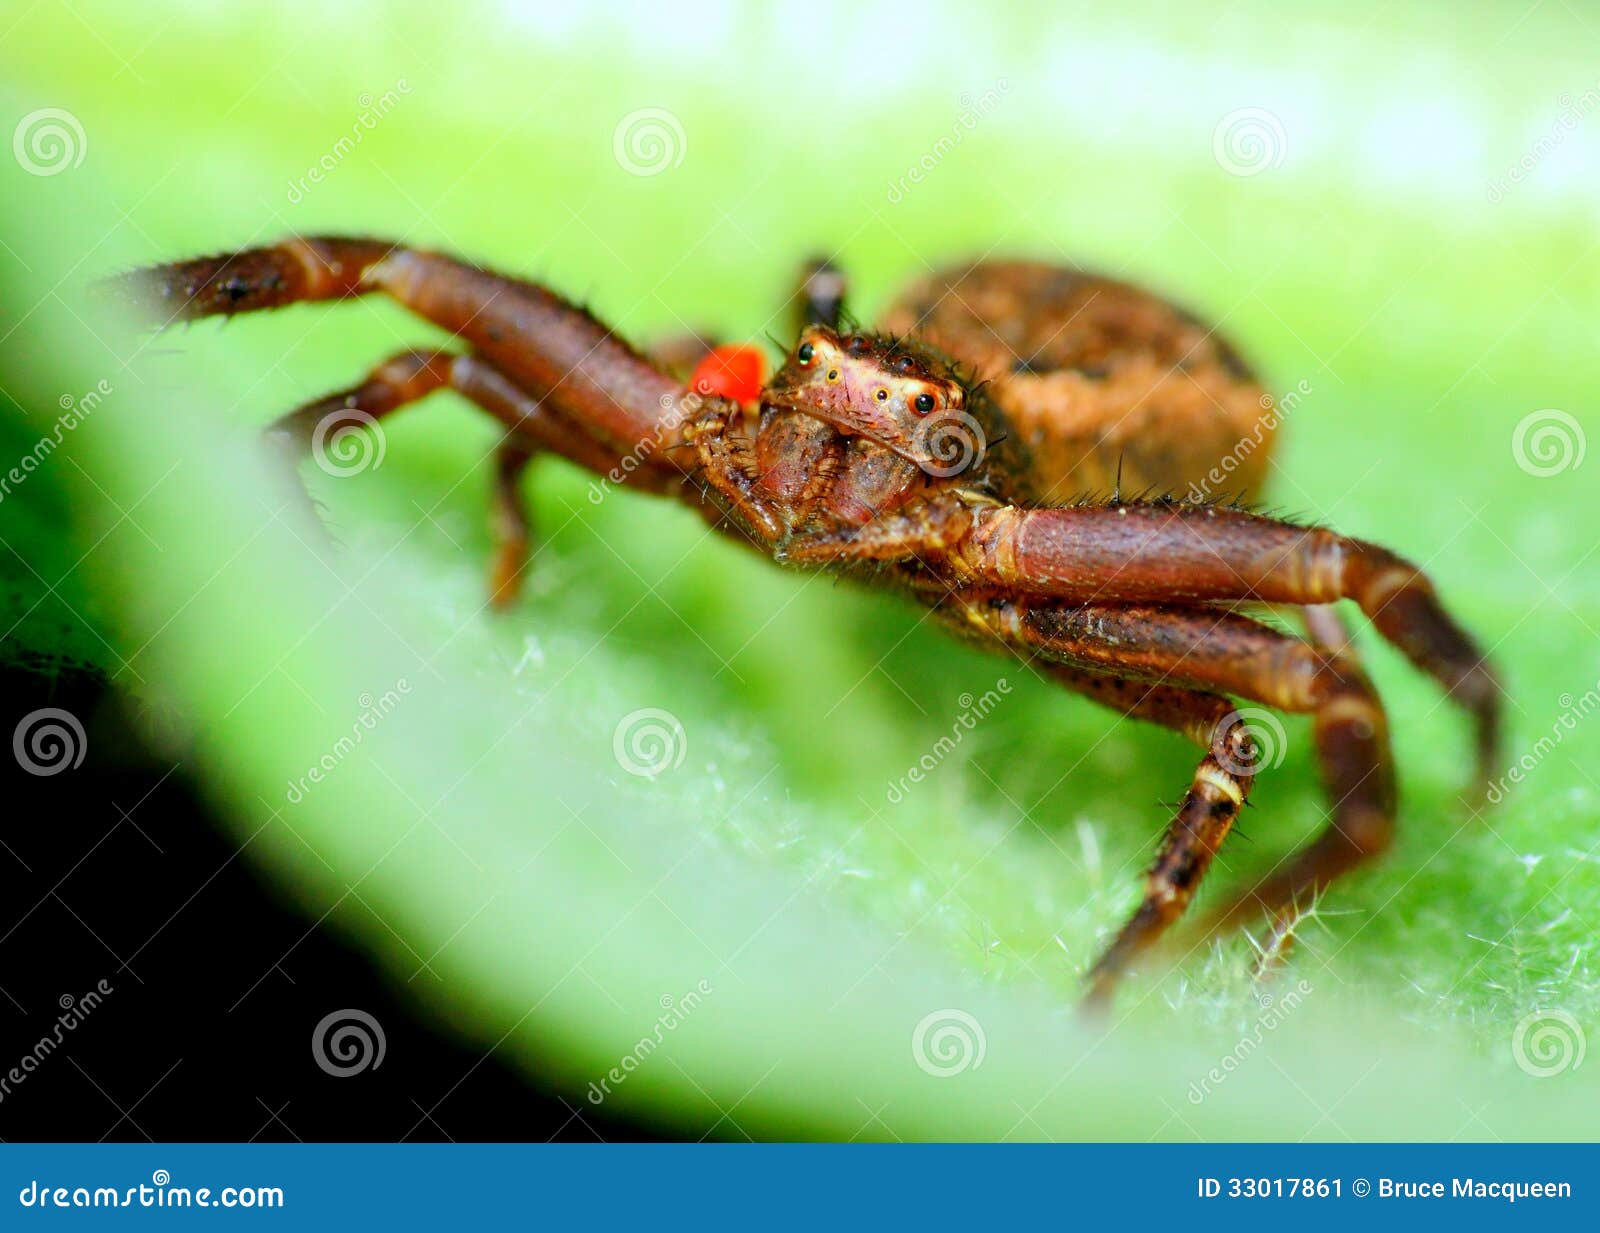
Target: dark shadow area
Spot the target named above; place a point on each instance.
(153, 986)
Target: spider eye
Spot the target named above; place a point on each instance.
(924, 403)
(882, 395)
(805, 353)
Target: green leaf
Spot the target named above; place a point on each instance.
(779, 896)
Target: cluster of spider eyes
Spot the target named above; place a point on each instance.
(805, 353)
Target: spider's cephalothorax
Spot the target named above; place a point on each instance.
(956, 457)
(856, 427)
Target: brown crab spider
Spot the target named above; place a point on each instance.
(940, 456)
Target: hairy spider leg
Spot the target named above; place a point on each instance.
(410, 376)
(1165, 552)
(1217, 792)
(550, 348)
(1209, 649)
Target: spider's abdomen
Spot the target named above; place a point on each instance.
(1092, 373)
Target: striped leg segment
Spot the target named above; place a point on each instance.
(1208, 649)
(1216, 794)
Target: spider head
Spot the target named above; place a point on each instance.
(893, 392)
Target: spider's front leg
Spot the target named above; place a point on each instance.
(559, 380)
(552, 350)
(531, 427)
(726, 454)
(1174, 553)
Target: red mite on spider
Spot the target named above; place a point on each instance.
(945, 455)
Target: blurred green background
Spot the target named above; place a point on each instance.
(1389, 206)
